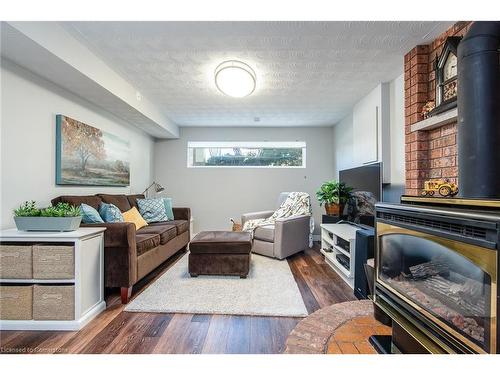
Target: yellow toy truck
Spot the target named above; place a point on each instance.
(443, 187)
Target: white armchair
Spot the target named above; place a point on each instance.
(286, 237)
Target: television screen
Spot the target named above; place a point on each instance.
(366, 178)
(366, 182)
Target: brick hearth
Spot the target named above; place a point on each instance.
(428, 153)
(342, 328)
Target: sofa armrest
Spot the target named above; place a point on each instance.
(255, 215)
(117, 234)
(291, 235)
(295, 219)
(182, 213)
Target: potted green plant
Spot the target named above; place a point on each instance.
(62, 217)
(333, 195)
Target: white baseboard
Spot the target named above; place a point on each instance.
(53, 325)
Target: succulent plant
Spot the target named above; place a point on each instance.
(59, 210)
(28, 208)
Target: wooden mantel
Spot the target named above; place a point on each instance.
(436, 121)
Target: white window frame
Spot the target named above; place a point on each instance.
(256, 144)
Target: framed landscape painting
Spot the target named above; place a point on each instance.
(89, 156)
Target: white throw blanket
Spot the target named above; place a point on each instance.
(296, 204)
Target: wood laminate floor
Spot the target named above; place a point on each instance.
(117, 331)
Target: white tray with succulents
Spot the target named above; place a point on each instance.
(62, 217)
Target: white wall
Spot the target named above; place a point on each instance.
(343, 145)
(347, 145)
(216, 195)
(394, 191)
(29, 106)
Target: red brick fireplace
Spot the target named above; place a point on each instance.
(428, 153)
(457, 141)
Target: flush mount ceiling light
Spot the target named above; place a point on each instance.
(235, 78)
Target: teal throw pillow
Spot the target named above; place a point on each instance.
(168, 208)
(90, 214)
(110, 213)
(152, 210)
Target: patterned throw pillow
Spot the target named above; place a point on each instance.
(168, 208)
(90, 214)
(152, 210)
(110, 213)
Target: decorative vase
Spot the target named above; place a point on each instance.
(333, 209)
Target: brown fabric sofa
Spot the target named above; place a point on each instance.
(129, 255)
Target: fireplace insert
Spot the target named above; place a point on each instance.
(437, 275)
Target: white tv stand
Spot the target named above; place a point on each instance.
(330, 236)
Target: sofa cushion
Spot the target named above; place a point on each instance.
(133, 216)
(264, 233)
(119, 200)
(181, 225)
(152, 210)
(90, 214)
(165, 231)
(110, 213)
(168, 208)
(76, 200)
(146, 242)
(132, 199)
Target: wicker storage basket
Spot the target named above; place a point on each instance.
(236, 226)
(16, 302)
(53, 302)
(53, 262)
(15, 262)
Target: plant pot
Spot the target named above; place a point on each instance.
(333, 209)
(47, 224)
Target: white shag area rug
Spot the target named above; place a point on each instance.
(268, 290)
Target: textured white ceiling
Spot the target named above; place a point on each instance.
(308, 73)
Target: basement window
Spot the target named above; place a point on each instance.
(246, 154)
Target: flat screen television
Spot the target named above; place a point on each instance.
(367, 178)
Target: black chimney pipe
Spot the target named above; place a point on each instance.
(479, 111)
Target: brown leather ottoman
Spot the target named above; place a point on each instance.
(220, 253)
